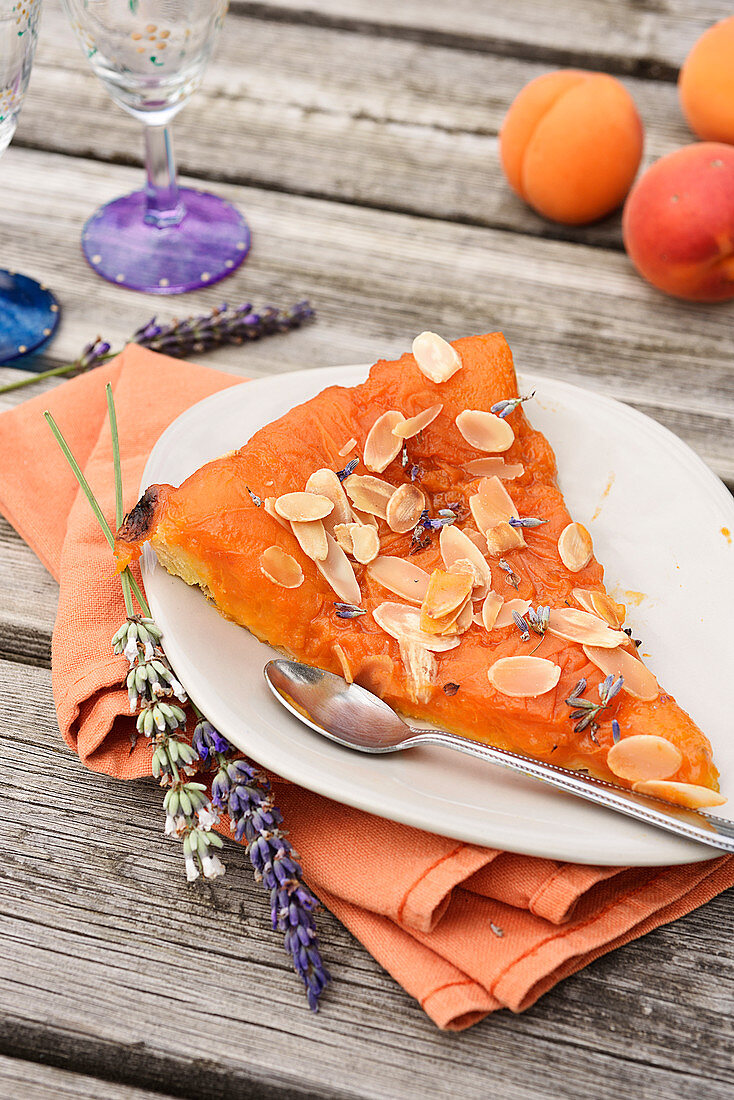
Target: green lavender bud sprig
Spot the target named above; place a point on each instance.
(151, 683)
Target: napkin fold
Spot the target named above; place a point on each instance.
(466, 930)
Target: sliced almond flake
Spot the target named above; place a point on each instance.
(311, 535)
(504, 617)
(494, 467)
(492, 607)
(478, 539)
(281, 568)
(690, 795)
(420, 667)
(465, 618)
(502, 538)
(344, 662)
(523, 677)
(435, 357)
(337, 571)
(644, 756)
(369, 494)
(381, 446)
(467, 567)
(584, 628)
(402, 622)
(446, 592)
(414, 424)
(445, 624)
(404, 508)
(575, 547)
(302, 507)
(348, 446)
(401, 577)
(455, 545)
(484, 430)
(365, 543)
(462, 618)
(269, 506)
(481, 514)
(638, 680)
(366, 517)
(343, 534)
(325, 483)
(496, 500)
(601, 604)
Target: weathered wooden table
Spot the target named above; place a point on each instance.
(360, 137)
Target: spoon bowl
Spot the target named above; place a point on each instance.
(345, 713)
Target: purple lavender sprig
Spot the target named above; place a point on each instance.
(222, 326)
(245, 793)
(193, 335)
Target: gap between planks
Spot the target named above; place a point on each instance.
(20, 1080)
(647, 40)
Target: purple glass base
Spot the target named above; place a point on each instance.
(209, 243)
(29, 314)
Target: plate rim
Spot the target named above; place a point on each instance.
(350, 792)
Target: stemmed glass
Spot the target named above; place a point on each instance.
(151, 55)
(29, 313)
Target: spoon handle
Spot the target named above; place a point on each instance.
(695, 824)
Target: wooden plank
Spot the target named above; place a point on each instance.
(376, 278)
(101, 934)
(28, 604)
(652, 37)
(398, 126)
(30, 1081)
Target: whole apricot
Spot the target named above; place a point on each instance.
(706, 84)
(678, 223)
(571, 144)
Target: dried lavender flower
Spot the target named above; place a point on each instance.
(522, 626)
(348, 610)
(584, 711)
(539, 619)
(526, 521)
(348, 469)
(512, 577)
(504, 408)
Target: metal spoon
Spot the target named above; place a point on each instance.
(357, 719)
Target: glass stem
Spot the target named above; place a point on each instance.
(163, 204)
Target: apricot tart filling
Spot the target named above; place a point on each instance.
(438, 567)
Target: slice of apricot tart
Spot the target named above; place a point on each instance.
(408, 534)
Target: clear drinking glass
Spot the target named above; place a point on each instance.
(29, 313)
(151, 55)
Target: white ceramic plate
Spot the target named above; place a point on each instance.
(659, 519)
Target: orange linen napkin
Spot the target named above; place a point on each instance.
(466, 930)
